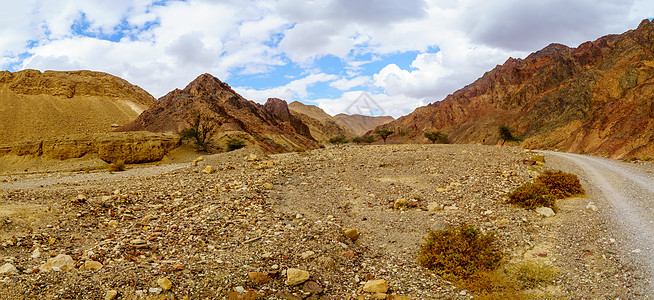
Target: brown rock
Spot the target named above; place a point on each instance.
(296, 276)
(312, 287)
(164, 283)
(376, 286)
(258, 277)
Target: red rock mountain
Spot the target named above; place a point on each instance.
(597, 98)
(271, 126)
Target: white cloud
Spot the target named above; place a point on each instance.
(295, 90)
(395, 106)
(345, 84)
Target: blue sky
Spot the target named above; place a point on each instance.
(403, 53)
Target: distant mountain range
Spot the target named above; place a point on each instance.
(597, 98)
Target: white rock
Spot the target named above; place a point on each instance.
(239, 289)
(8, 268)
(155, 290)
(545, 211)
(36, 253)
(61, 262)
(591, 206)
(636, 251)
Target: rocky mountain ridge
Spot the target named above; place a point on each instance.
(596, 99)
(270, 126)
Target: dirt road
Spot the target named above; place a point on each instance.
(627, 190)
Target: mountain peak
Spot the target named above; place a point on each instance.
(207, 84)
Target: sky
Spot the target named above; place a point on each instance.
(384, 57)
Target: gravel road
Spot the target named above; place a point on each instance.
(627, 191)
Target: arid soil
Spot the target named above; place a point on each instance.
(235, 230)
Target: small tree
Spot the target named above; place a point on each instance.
(357, 140)
(201, 130)
(368, 139)
(506, 134)
(384, 133)
(437, 136)
(337, 140)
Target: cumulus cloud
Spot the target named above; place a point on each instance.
(295, 90)
(388, 105)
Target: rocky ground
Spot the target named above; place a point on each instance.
(242, 225)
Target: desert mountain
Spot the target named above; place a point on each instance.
(361, 124)
(271, 126)
(321, 125)
(36, 106)
(597, 98)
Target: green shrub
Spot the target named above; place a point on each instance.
(337, 140)
(234, 144)
(532, 195)
(357, 140)
(531, 274)
(368, 139)
(459, 252)
(561, 184)
(437, 137)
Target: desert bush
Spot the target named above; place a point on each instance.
(337, 140)
(357, 140)
(459, 252)
(506, 134)
(384, 133)
(646, 158)
(202, 128)
(532, 274)
(368, 139)
(560, 184)
(234, 144)
(532, 195)
(117, 166)
(437, 136)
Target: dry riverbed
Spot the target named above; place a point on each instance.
(232, 225)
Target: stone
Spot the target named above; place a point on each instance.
(308, 255)
(591, 206)
(375, 286)
(312, 287)
(110, 295)
(164, 283)
(380, 296)
(239, 289)
(434, 206)
(61, 262)
(252, 157)
(91, 265)
(36, 253)
(113, 223)
(155, 290)
(8, 268)
(208, 170)
(258, 277)
(296, 276)
(352, 233)
(268, 186)
(545, 211)
(400, 203)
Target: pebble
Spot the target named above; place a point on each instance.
(258, 277)
(155, 290)
(110, 295)
(164, 283)
(268, 186)
(545, 211)
(36, 253)
(208, 170)
(400, 203)
(308, 255)
(375, 286)
(591, 206)
(8, 268)
(296, 276)
(61, 262)
(91, 265)
(239, 289)
(352, 233)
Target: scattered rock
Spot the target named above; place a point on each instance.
(208, 170)
(268, 186)
(296, 276)
(61, 262)
(258, 277)
(376, 286)
(308, 255)
(545, 211)
(164, 283)
(591, 206)
(36, 253)
(400, 203)
(110, 295)
(91, 265)
(352, 233)
(434, 206)
(8, 268)
(113, 223)
(155, 290)
(252, 157)
(312, 287)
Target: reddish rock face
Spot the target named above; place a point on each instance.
(270, 126)
(597, 99)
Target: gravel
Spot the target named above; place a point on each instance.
(257, 216)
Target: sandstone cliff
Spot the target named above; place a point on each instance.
(35, 106)
(596, 98)
(271, 126)
(321, 125)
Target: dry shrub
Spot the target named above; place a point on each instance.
(540, 158)
(491, 285)
(561, 184)
(532, 274)
(459, 252)
(117, 166)
(532, 195)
